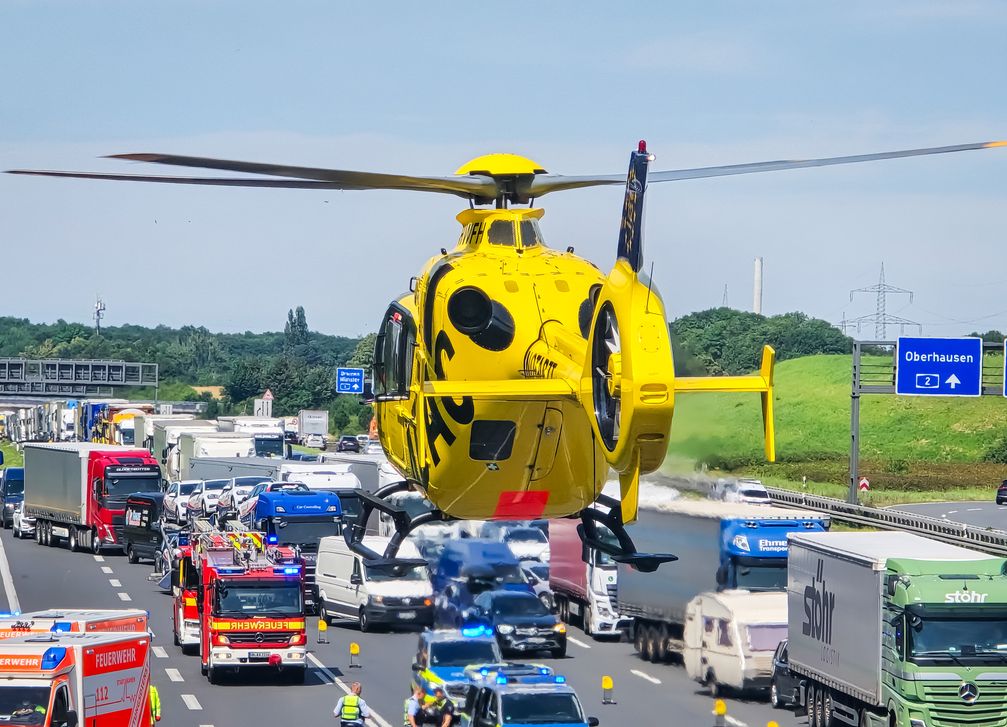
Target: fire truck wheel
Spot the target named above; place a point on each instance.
(213, 675)
(365, 621)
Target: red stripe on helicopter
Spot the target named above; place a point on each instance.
(521, 505)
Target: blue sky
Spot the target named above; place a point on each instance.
(421, 88)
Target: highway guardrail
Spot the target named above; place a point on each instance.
(986, 540)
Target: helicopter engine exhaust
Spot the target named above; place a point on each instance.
(487, 322)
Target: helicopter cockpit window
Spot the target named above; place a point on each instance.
(393, 355)
(531, 235)
(501, 233)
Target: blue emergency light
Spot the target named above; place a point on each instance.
(501, 680)
(561, 679)
(61, 627)
(288, 571)
(53, 656)
(229, 571)
(473, 631)
(272, 540)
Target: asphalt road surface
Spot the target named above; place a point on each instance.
(646, 694)
(979, 514)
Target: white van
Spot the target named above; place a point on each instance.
(730, 638)
(372, 595)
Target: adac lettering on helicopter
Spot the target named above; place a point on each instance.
(461, 413)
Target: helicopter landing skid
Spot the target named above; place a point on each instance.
(625, 551)
(354, 531)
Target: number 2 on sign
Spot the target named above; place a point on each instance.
(928, 381)
(101, 694)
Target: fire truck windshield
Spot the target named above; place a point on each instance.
(258, 598)
(19, 705)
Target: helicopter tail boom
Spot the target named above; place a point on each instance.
(760, 383)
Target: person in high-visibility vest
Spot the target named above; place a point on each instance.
(351, 710)
(155, 705)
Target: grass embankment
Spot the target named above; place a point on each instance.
(911, 448)
(11, 457)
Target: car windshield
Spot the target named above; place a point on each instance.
(18, 704)
(769, 577)
(305, 534)
(760, 494)
(272, 447)
(288, 487)
(969, 638)
(214, 485)
(541, 708)
(250, 482)
(508, 573)
(525, 535)
(518, 605)
(259, 598)
(187, 488)
(766, 637)
(463, 653)
(385, 573)
(14, 484)
(540, 571)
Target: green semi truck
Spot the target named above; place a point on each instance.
(890, 629)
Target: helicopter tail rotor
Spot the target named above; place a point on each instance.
(629, 375)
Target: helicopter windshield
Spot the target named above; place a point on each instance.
(501, 233)
(531, 235)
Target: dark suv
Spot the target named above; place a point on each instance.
(348, 443)
(1002, 493)
(520, 621)
(784, 684)
(11, 493)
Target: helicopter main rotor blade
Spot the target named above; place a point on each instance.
(467, 186)
(287, 183)
(545, 183)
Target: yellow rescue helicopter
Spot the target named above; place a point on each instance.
(513, 377)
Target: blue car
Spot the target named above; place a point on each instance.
(443, 656)
(545, 702)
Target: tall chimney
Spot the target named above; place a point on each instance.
(757, 296)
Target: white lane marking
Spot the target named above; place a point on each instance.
(13, 605)
(114, 582)
(974, 509)
(159, 652)
(734, 721)
(382, 722)
(944, 516)
(951, 512)
(106, 570)
(99, 559)
(124, 597)
(174, 675)
(191, 702)
(644, 675)
(578, 642)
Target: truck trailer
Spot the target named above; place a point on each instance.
(267, 432)
(207, 443)
(165, 443)
(720, 546)
(890, 629)
(312, 421)
(143, 427)
(78, 490)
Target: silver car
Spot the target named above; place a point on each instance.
(24, 526)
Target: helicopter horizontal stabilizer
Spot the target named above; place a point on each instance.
(530, 389)
(760, 383)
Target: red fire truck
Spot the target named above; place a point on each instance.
(250, 602)
(184, 588)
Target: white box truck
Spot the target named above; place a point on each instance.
(267, 431)
(202, 444)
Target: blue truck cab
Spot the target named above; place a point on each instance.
(461, 556)
(753, 551)
(299, 520)
(507, 697)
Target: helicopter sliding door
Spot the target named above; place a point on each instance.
(393, 395)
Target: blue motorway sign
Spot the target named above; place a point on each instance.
(939, 366)
(349, 381)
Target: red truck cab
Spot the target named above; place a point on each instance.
(77, 490)
(250, 604)
(184, 588)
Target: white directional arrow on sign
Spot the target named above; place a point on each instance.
(953, 381)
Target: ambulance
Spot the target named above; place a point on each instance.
(72, 620)
(75, 679)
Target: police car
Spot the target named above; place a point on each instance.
(443, 656)
(514, 695)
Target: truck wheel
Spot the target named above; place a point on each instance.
(661, 652)
(827, 712)
(131, 555)
(72, 539)
(638, 638)
(712, 686)
(587, 620)
(816, 718)
(212, 675)
(648, 643)
(95, 542)
(47, 534)
(38, 532)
